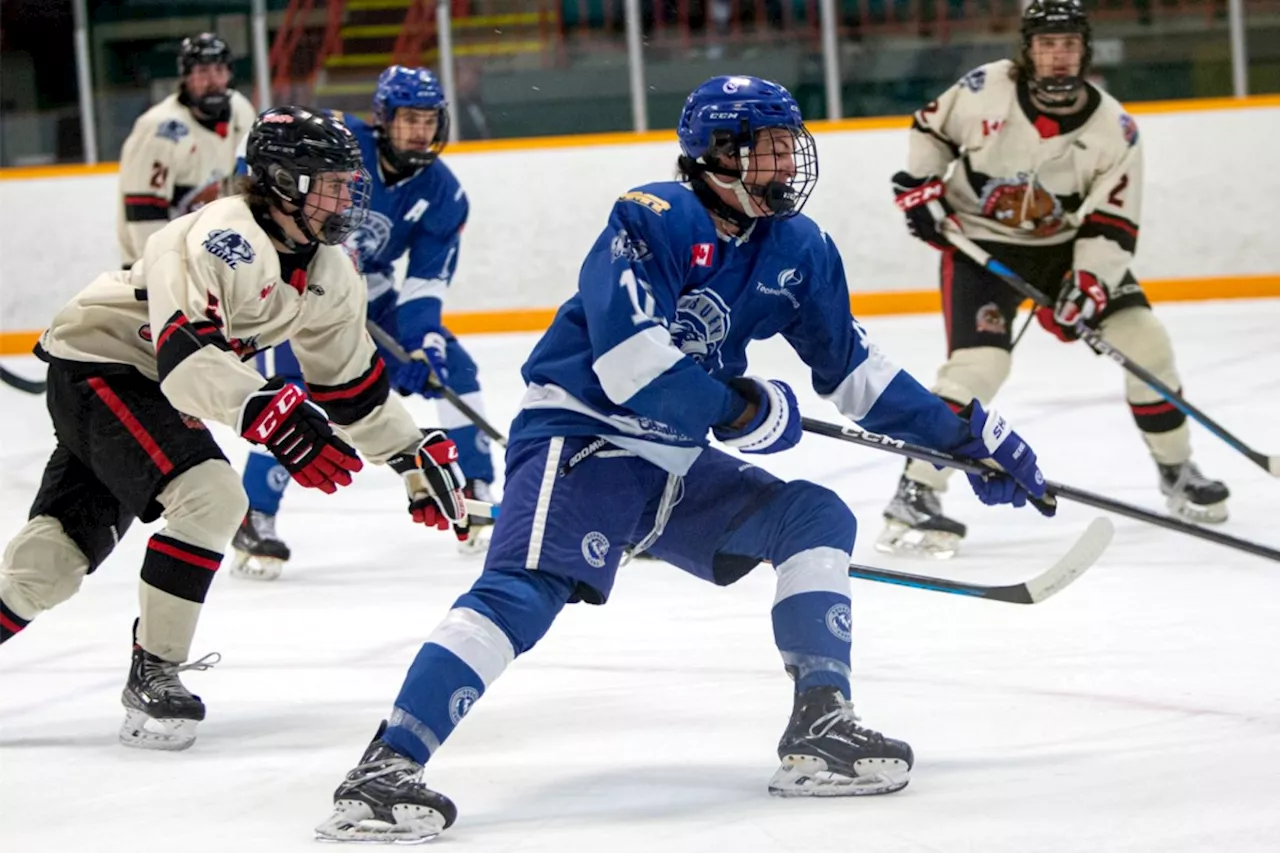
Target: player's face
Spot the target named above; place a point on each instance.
(1057, 54)
(329, 194)
(772, 159)
(413, 129)
(208, 79)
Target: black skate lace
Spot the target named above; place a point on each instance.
(163, 676)
(842, 713)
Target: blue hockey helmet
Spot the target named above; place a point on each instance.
(720, 135)
(411, 88)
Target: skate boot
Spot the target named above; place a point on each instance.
(259, 554)
(383, 800)
(914, 524)
(159, 711)
(1193, 496)
(478, 541)
(825, 753)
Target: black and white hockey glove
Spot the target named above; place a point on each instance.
(1082, 299)
(924, 202)
(298, 434)
(775, 425)
(434, 483)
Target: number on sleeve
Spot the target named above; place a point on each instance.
(1113, 198)
(641, 295)
(159, 172)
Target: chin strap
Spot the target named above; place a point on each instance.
(401, 163)
(262, 215)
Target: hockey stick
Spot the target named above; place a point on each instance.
(1093, 338)
(1082, 554)
(391, 345)
(854, 435)
(31, 386)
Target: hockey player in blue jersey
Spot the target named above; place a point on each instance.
(418, 208)
(609, 455)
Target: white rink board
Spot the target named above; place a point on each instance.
(1137, 711)
(1211, 181)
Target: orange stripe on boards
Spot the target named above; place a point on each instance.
(1190, 105)
(863, 304)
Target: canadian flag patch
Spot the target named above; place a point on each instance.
(702, 254)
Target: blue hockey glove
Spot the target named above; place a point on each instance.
(993, 438)
(776, 425)
(429, 357)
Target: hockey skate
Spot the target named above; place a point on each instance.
(826, 753)
(383, 800)
(1193, 496)
(914, 524)
(478, 542)
(259, 554)
(159, 711)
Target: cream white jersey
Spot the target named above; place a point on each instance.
(171, 164)
(210, 292)
(1015, 174)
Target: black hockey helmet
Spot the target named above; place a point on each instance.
(1055, 16)
(288, 148)
(205, 49)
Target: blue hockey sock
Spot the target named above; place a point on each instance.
(812, 619)
(474, 457)
(264, 481)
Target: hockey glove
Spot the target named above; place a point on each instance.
(776, 424)
(428, 358)
(992, 438)
(1082, 299)
(924, 201)
(298, 434)
(434, 483)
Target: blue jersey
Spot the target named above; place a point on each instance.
(664, 311)
(423, 215)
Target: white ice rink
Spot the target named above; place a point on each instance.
(1137, 711)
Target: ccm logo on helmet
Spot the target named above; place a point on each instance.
(923, 195)
(715, 116)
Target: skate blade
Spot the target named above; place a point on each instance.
(1199, 513)
(254, 568)
(353, 820)
(898, 538)
(807, 776)
(141, 731)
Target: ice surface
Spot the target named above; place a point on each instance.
(1137, 711)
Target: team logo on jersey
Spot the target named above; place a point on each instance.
(1022, 202)
(701, 324)
(626, 249)
(191, 421)
(229, 247)
(647, 200)
(786, 279)
(1129, 128)
(460, 703)
(370, 238)
(172, 130)
(990, 320)
(974, 80)
(840, 621)
(595, 547)
(144, 332)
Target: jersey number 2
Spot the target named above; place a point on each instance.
(1113, 198)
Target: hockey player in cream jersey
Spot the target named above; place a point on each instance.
(1044, 171)
(181, 153)
(139, 357)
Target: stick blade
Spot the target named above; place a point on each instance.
(1273, 465)
(1083, 554)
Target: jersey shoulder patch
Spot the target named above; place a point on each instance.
(1129, 129)
(649, 201)
(229, 246)
(172, 130)
(975, 80)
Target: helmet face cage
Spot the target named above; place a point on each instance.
(722, 128)
(410, 88)
(1044, 17)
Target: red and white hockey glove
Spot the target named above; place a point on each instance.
(434, 483)
(1082, 299)
(924, 201)
(298, 434)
